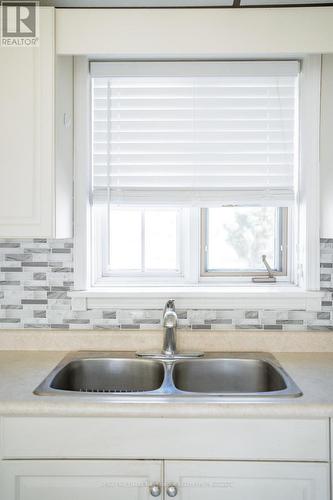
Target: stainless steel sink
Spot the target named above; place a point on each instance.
(109, 375)
(215, 377)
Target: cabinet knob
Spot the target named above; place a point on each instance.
(155, 490)
(172, 490)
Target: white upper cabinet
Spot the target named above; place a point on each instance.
(35, 171)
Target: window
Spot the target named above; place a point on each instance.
(193, 170)
(149, 243)
(235, 238)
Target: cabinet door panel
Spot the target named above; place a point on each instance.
(27, 136)
(18, 167)
(248, 480)
(79, 480)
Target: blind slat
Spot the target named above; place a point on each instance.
(213, 126)
(139, 136)
(188, 115)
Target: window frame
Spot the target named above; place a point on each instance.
(305, 232)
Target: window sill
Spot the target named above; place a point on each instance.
(241, 297)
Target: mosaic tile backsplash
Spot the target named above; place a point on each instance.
(36, 276)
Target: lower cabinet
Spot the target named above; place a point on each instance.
(79, 480)
(247, 480)
(144, 479)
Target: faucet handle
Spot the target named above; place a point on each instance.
(170, 304)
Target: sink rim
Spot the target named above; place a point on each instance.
(168, 392)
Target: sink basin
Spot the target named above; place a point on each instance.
(107, 375)
(123, 376)
(215, 376)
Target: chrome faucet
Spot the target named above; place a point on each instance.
(169, 350)
(170, 329)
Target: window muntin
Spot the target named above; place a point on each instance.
(233, 240)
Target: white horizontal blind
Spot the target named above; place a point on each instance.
(194, 133)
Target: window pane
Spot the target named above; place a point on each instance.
(125, 239)
(237, 237)
(161, 239)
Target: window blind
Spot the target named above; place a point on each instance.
(194, 133)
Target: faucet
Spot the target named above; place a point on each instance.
(170, 329)
(169, 350)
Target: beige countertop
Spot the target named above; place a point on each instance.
(22, 371)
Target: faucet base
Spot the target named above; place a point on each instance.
(177, 355)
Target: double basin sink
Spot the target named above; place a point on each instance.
(122, 376)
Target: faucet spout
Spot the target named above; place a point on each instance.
(170, 329)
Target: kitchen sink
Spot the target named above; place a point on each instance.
(124, 377)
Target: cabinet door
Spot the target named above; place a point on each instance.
(247, 480)
(79, 480)
(27, 135)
